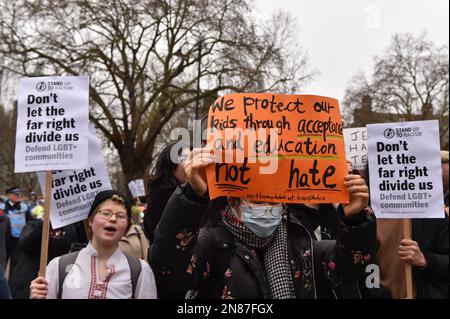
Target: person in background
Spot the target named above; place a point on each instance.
(100, 270)
(166, 177)
(134, 242)
(427, 252)
(32, 200)
(19, 214)
(60, 243)
(5, 234)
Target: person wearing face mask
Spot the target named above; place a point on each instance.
(232, 248)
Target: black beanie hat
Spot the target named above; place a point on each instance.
(108, 194)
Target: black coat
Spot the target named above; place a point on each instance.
(432, 237)
(156, 203)
(4, 288)
(328, 220)
(5, 234)
(27, 269)
(214, 265)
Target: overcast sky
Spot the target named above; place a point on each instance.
(343, 36)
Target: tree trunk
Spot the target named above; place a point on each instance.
(134, 166)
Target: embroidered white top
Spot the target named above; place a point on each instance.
(82, 281)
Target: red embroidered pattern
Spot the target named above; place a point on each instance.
(97, 290)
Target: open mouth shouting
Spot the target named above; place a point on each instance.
(110, 230)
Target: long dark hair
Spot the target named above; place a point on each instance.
(162, 175)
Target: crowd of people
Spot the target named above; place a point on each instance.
(188, 246)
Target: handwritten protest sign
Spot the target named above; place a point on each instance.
(74, 191)
(277, 148)
(137, 187)
(405, 170)
(52, 123)
(355, 139)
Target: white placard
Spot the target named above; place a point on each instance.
(52, 124)
(405, 170)
(74, 191)
(137, 187)
(355, 139)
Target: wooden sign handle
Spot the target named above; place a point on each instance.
(408, 271)
(45, 224)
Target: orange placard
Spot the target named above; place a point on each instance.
(277, 148)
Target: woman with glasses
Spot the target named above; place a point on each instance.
(100, 270)
(255, 250)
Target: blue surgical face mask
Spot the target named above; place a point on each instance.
(262, 220)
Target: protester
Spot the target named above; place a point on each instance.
(134, 242)
(60, 242)
(427, 252)
(4, 289)
(5, 234)
(249, 254)
(32, 200)
(101, 270)
(19, 214)
(327, 222)
(166, 177)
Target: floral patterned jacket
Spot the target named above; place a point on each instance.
(211, 264)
